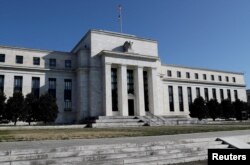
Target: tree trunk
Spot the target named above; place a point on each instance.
(15, 123)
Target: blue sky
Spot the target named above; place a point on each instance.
(202, 33)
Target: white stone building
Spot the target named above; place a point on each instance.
(108, 74)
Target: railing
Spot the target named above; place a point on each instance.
(155, 117)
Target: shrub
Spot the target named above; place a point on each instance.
(214, 109)
(227, 109)
(14, 107)
(198, 109)
(47, 108)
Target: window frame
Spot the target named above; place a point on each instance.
(36, 60)
(2, 58)
(19, 59)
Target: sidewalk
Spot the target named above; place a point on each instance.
(138, 140)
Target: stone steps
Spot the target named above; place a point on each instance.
(117, 120)
(125, 153)
(112, 125)
(117, 117)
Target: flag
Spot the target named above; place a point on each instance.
(119, 9)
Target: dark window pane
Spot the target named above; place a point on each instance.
(130, 83)
(235, 94)
(214, 93)
(212, 77)
(196, 76)
(114, 89)
(178, 74)
(36, 86)
(68, 64)
(169, 73)
(19, 59)
(189, 90)
(206, 94)
(2, 83)
(52, 62)
(36, 60)
(2, 57)
(52, 87)
(234, 80)
(229, 94)
(146, 98)
(187, 75)
(220, 79)
(198, 93)
(204, 77)
(221, 94)
(181, 104)
(18, 83)
(171, 98)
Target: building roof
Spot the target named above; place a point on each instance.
(111, 34)
(204, 69)
(31, 49)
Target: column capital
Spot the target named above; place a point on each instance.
(153, 68)
(108, 63)
(139, 67)
(123, 65)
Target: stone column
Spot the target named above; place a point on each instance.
(139, 92)
(153, 93)
(122, 90)
(107, 90)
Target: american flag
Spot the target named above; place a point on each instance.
(119, 9)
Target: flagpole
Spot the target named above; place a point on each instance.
(120, 17)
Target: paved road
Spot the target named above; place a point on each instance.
(138, 140)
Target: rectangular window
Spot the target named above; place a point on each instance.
(214, 93)
(19, 59)
(2, 57)
(67, 94)
(204, 77)
(36, 86)
(178, 74)
(130, 79)
(181, 105)
(171, 98)
(228, 94)
(18, 83)
(196, 76)
(68, 64)
(52, 87)
(146, 98)
(212, 77)
(189, 90)
(36, 60)
(236, 94)
(227, 79)
(234, 79)
(187, 75)
(52, 62)
(198, 93)
(2, 83)
(221, 94)
(220, 79)
(169, 73)
(114, 89)
(206, 94)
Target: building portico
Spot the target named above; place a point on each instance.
(130, 88)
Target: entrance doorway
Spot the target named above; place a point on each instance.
(131, 107)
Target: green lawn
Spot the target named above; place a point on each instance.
(89, 133)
